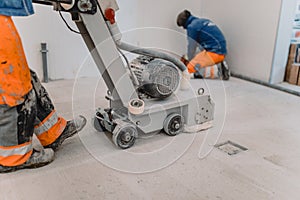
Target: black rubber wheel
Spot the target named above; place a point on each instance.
(97, 123)
(173, 124)
(125, 137)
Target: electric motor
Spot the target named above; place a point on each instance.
(157, 78)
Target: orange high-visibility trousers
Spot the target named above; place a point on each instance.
(15, 81)
(25, 106)
(17, 125)
(205, 59)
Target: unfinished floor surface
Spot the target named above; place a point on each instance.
(189, 166)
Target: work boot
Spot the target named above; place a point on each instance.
(72, 127)
(38, 158)
(225, 71)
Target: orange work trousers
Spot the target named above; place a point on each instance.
(25, 106)
(15, 81)
(204, 59)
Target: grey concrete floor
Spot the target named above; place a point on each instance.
(290, 86)
(88, 166)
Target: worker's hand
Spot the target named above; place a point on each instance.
(184, 60)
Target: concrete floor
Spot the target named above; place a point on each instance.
(88, 166)
(290, 86)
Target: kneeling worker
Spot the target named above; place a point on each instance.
(205, 35)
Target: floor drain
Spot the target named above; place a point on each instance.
(230, 148)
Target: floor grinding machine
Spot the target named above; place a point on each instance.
(149, 94)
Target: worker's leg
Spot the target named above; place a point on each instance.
(209, 72)
(16, 131)
(48, 125)
(17, 105)
(204, 64)
(50, 129)
(14, 72)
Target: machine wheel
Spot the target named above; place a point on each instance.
(124, 137)
(173, 124)
(97, 123)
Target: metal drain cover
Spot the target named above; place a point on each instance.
(230, 148)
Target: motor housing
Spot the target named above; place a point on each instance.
(157, 78)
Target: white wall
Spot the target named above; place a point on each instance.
(249, 26)
(251, 29)
(152, 24)
(66, 49)
(143, 22)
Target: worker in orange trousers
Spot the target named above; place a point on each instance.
(25, 106)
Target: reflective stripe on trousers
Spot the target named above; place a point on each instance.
(211, 72)
(50, 128)
(205, 59)
(48, 125)
(15, 155)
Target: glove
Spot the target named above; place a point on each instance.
(184, 60)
